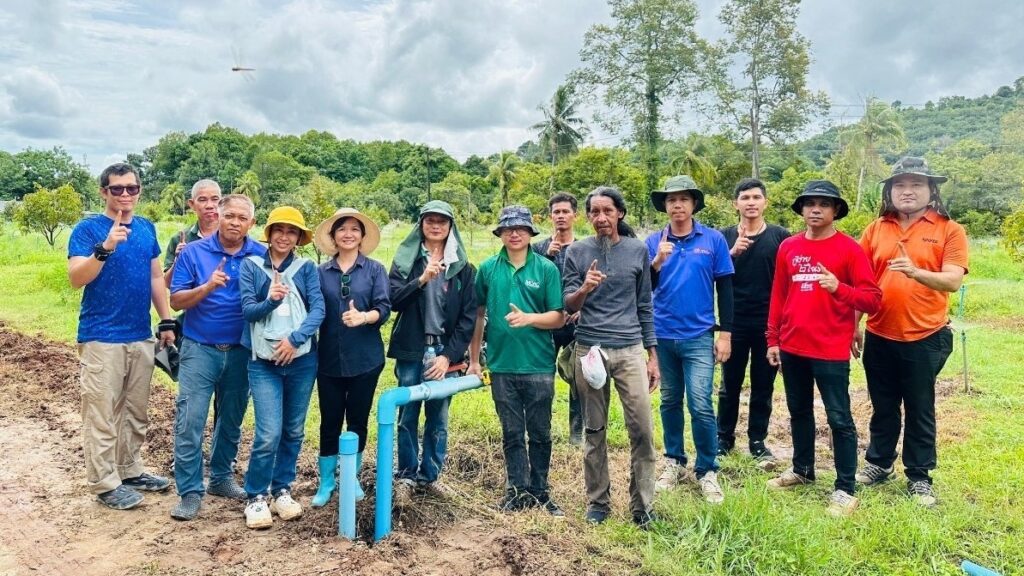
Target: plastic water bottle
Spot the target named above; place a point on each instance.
(428, 359)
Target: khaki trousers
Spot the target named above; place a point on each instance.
(627, 369)
(115, 383)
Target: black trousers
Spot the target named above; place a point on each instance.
(799, 375)
(345, 399)
(754, 346)
(903, 374)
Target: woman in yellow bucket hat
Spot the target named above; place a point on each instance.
(284, 307)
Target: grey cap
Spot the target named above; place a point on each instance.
(913, 165)
(515, 217)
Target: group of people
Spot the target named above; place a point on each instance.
(261, 321)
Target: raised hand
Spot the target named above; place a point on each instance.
(517, 318)
(434, 267)
(554, 248)
(117, 234)
(827, 280)
(278, 290)
(353, 317)
(903, 263)
(742, 242)
(594, 278)
(665, 248)
(219, 278)
(181, 243)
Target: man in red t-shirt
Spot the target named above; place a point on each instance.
(821, 278)
(918, 256)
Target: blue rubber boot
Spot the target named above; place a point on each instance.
(359, 485)
(328, 481)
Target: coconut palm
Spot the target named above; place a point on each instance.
(503, 173)
(562, 131)
(880, 129)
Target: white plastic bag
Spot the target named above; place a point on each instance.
(593, 367)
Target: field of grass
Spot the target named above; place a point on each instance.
(979, 479)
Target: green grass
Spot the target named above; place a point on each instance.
(979, 478)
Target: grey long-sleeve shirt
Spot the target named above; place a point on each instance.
(619, 312)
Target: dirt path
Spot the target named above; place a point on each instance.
(52, 525)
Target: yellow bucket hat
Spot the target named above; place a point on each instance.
(292, 217)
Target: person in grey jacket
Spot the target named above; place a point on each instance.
(607, 278)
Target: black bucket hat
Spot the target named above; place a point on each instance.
(678, 184)
(913, 165)
(515, 217)
(822, 189)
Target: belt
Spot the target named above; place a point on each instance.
(224, 347)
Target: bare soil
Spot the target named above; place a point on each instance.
(53, 525)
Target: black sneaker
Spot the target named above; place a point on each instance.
(120, 498)
(188, 507)
(724, 448)
(765, 459)
(227, 489)
(643, 520)
(594, 516)
(544, 501)
(514, 501)
(147, 482)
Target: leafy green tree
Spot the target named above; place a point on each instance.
(174, 198)
(249, 185)
(880, 129)
(49, 211)
(52, 169)
(772, 102)
(650, 57)
(503, 174)
(594, 167)
(13, 183)
(1013, 234)
(279, 175)
(562, 130)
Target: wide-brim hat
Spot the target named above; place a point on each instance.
(913, 165)
(325, 241)
(292, 217)
(515, 217)
(821, 189)
(678, 184)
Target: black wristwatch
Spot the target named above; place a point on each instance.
(100, 252)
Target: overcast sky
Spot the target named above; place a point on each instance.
(103, 77)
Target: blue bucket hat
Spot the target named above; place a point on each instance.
(515, 217)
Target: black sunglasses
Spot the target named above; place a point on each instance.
(118, 190)
(346, 279)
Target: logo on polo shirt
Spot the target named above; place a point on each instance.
(532, 284)
(930, 240)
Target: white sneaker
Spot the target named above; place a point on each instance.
(842, 504)
(711, 489)
(285, 507)
(672, 475)
(257, 513)
(403, 492)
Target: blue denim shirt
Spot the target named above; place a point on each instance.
(345, 351)
(256, 305)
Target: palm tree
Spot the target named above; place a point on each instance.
(879, 129)
(691, 162)
(249, 185)
(503, 173)
(562, 131)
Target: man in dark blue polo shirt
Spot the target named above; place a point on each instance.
(689, 262)
(205, 285)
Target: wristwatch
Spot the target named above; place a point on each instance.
(100, 252)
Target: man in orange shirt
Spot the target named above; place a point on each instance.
(918, 255)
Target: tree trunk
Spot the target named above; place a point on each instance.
(860, 183)
(651, 143)
(755, 143)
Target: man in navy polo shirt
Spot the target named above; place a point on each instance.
(115, 257)
(689, 263)
(205, 285)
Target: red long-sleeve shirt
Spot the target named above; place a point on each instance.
(803, 318)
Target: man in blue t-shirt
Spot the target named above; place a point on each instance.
(689, 263)
(114, 256)
(205, 285)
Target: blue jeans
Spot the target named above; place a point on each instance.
(523, 404)
(435, 431)
(689, 365)
(280, 399)
(205, 369)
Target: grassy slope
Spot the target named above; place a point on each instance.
(753, 532)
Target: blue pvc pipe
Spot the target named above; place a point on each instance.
(387, 406)
(974, 570)
(348, 445)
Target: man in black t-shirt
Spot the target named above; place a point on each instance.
(753, 244)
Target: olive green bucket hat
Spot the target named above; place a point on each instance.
(913, 165)
(678, 184)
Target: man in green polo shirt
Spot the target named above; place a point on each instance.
(520, 296)
(205, 197)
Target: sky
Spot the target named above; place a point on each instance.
(103, 78)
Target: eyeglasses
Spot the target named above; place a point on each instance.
(118, 190)
(346, 290)
(516, 231)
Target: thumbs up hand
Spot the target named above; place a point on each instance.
(742, 243)
(517, 318)
(218, 279)
(903, 263)
(278, 290)
(665, 249)
(827, 280)
(353, 317)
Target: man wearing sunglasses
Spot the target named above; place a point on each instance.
(115, 257)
